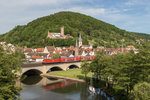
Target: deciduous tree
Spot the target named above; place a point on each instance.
(9, 64)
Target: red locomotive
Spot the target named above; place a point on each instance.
(70, 59)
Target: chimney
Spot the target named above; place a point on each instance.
(62, 31)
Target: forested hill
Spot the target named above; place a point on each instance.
(100, 33)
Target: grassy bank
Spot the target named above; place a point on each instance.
(72, 73)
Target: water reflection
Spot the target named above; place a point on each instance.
(35, 79)
(60, 84)
(57, 89)
(52, 78)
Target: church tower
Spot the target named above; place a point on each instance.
(76, 49)
(80, 41)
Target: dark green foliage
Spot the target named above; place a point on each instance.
(56, 56)
(126, 71)
(85, 67)
(142, 91)
(9, 65)
(59, 42)
(100, 33)
(99, 63)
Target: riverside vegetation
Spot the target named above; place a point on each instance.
(129, 73)
(9, 64)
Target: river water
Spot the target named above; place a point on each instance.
(42, 88)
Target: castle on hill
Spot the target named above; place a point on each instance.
(61, 35)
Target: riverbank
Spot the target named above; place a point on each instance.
(72, 74)
(63, 77)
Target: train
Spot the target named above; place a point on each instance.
(69, 59)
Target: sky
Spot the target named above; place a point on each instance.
(130, 15)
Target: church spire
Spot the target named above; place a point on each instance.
(80, 39)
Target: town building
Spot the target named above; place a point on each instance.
(49, 49)
(83, 50)
(40, 50)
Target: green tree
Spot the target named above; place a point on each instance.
(85, 67)
(142, 62)
(56, 56)
(95, 67)
(141, 91)
(99, 63)
(9, 65)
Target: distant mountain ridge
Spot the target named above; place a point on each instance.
(34, 34)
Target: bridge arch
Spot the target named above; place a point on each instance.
(32, 72)
(72, 66)
(55, 68)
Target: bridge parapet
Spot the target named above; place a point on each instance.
(44, 68)
(31, 64)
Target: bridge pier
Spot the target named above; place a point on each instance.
(44, 69)
(17, 81)
(44, 81)
(65, 67)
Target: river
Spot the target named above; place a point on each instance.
(42, 88)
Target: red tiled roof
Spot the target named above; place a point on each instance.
(50, 48)
(39, 49)
(36, 57)
(57, 51)
(28, 48)
(71, 48)
(130, 46)
(64, 50)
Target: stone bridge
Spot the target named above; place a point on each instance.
(44, 68)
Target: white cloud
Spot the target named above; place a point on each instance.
(131, 3)
(88, 11)
(16, 12)
(22, 3)
(129, 22)
(137, 2)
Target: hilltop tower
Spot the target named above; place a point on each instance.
(80, 41)
(62, 30)
(60, 35)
